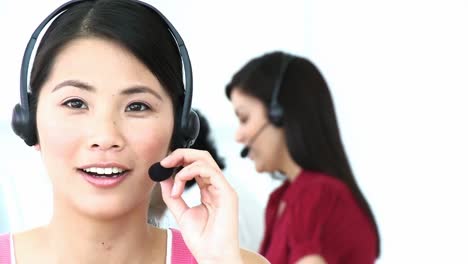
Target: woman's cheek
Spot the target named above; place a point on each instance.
(60, 138)
(151, 142)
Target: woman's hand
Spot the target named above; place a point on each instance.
(209, 229)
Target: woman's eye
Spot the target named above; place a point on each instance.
(137, 107)
(243, 120)
(75, 103)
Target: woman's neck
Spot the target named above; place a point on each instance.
(76, 238)
(289, 167)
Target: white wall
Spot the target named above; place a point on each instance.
(397, 71)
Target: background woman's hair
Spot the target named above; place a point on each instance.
(309, 119)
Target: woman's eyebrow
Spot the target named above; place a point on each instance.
(141, 89)
(128, 91)
(75, 83)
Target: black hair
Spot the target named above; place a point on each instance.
(309, 120)
(134, 26)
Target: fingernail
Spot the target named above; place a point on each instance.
(164, 161)
(181, 172)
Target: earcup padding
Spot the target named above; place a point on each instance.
(23, 125)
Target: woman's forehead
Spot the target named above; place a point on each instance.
(102, 63)
(239, 97)
(244, 103)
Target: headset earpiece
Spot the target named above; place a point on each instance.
(192, 129)
(186, 130)
(23, 126)
(275, 114)
(275, 111)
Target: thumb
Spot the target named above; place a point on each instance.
(176, 205)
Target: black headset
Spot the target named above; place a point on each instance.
(187, 120)
(275, 111)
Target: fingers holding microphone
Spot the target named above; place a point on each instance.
(198, 165)
(211, 226)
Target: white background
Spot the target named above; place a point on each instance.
(397, 71)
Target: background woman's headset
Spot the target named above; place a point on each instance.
(275, 110)
(22, 120)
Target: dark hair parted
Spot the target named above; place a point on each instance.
(134, 26)
(309, 120)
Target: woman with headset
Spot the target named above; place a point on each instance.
(288, 124)
(106, 103)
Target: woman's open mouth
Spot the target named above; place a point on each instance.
(104, 177)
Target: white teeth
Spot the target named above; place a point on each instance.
(104, 170)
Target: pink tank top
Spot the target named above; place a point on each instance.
(180, 254)
(5, 250)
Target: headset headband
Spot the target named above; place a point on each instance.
(187, 67)
(23, 124)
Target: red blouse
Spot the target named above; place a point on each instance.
(319, 216)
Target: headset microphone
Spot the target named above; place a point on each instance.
(245, 151)
(275, 110)
(158, 173)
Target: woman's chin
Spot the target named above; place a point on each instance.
(103, 209)
(259, 167)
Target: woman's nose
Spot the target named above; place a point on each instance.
(239, 136)
(106, 135)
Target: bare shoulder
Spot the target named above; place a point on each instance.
(29, 236)
(28, 244)
(252, 257)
